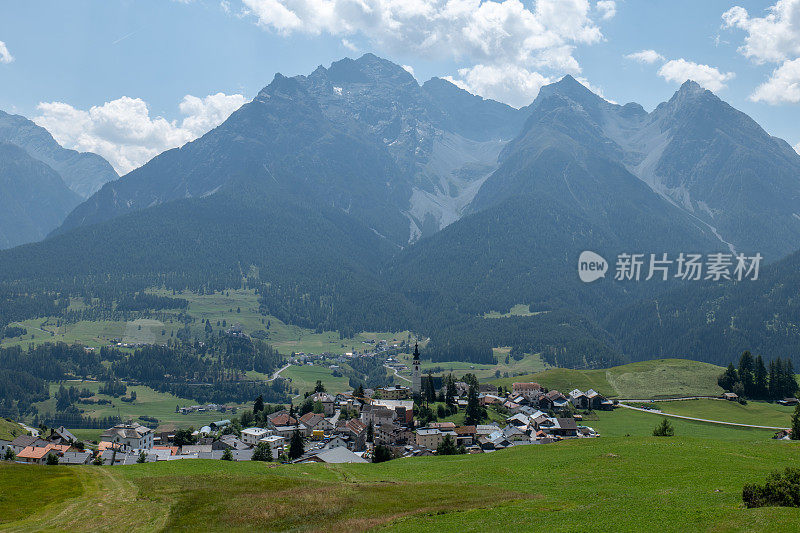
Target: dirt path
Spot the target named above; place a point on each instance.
(396, 374)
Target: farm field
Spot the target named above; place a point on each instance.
(148, 402)
(755, 413)
(531, 363)
(228, 308)
(658, 378)
(623, 422)
(560, 487)
(304, 379)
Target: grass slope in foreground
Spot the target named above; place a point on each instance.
(607, 484)
(658, 378)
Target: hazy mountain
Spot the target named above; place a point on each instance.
(84, 173)
(33, 197)
(716, 164)
(361, 136)
(560, 189)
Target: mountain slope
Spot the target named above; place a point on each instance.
(33, 197)
(361, 136)
(717, 165)
(84, 173)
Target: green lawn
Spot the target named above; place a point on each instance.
(148, 402)
(28, 488)
(9, 430)
(659, 378)
(304, 378)
(529, 364)
(607, 484)
(622, 422)
(517, 310)
(755, 413)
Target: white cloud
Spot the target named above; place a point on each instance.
(645, 56)
(349, 45)
(783, 86)
(409, 69)
(607, 9)
(123, 131)
(5, 55)
(511, 84)
(680, 70)
(797, 148)
(225, 5)
(772, 38)
(499, 42)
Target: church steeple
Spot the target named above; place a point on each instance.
(416, 378)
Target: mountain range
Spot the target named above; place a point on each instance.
(42, 181)
(355, 198)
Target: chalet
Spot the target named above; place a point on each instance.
(316, 422)
(229, 442)
(404, 409)
(38, 454)
(336, 442)
(25, 441)
(465, 435)
(327, 401)
(132, 435)
(75, 458)
(377, 414)
(61, 435)
(429, 438)
(526, 389)
(357, 431)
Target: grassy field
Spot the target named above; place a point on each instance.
(606, 484)
(659, 378)
(531, 363)
(517, 310)
(304, 378)
(623, 422)
(231, 306)
(9, 429)
(148, 402)
(756, 413)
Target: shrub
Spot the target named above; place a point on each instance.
(664, 429)
(781, 489)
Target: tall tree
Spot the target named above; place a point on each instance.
(296, 445)
(451, 392)
(475, 413)
(263, 452)
(728, 378)
(796, 423)
(760, 379)
(746, 367)
(258, 406)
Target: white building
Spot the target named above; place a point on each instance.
(251, 436)
(131, 436)
(276, 444)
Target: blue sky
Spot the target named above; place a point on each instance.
(113, 76)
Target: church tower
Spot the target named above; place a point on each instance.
(416, 380)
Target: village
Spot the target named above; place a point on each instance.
(363, 425)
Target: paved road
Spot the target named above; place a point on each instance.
(657, 412)
(629, 400)
(278, 372)
(396, 374)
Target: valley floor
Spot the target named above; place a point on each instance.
(607, 484)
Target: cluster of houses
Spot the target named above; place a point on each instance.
(345, 431)
(205, 408)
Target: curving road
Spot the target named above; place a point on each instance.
(278, 372)
(396, 374)
(657, 412)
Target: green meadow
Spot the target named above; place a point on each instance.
(607, 484)
(658, 378)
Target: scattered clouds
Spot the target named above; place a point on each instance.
(499, 42)
(646, 56)
(123, 131)
(607, 9)
(349, 45)
(680, 70)
(783, 86)
(5, 55)
(512, 84)
(773, 38)
(409, 69)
